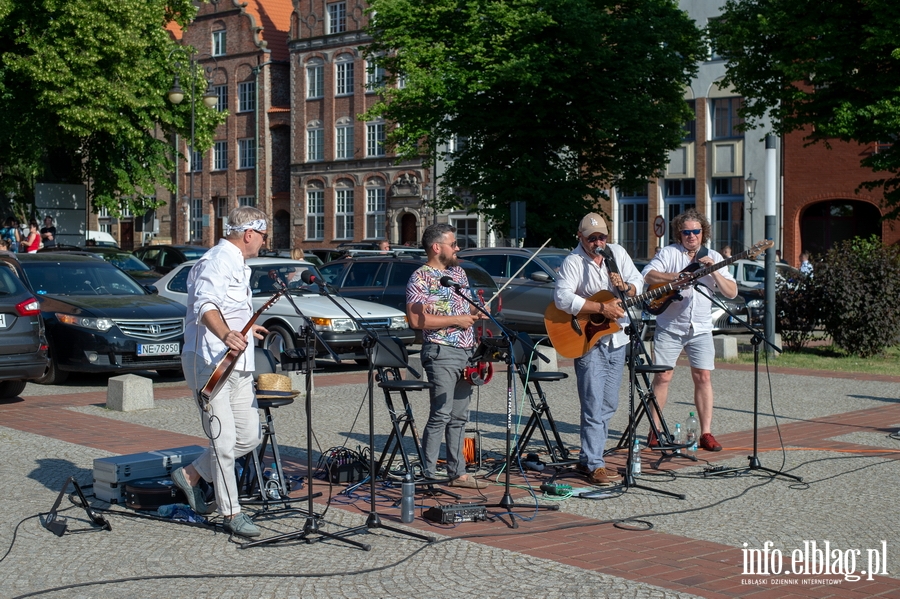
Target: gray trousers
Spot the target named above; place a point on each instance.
(444, 365)
(599, 375)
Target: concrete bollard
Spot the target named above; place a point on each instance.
(726, 347)
(552, 365)
(129, 393)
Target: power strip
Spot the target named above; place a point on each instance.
(456, 512)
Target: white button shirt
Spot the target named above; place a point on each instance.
(694, 309)
(580, 277)
(219, 280)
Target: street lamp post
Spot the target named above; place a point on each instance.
(176, 95)
(750, 186)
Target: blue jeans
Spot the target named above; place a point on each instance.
(444, 364)
(599, 375)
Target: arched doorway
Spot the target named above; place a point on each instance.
(281, 229)
(824, 224)
(409, 229)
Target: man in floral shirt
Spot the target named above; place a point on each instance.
(447, 344)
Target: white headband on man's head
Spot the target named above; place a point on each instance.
(256, 225)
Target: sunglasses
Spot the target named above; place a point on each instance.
(687, 232)
(596, 238)
(455, 244)
(265, 236)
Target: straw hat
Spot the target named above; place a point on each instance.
(274, 386)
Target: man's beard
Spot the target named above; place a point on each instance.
(449, 261)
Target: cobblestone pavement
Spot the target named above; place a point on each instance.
(635, 543)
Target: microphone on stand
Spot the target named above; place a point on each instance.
(447, 281)
(308, 278)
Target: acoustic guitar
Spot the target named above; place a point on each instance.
(574, 336)
(226, 365)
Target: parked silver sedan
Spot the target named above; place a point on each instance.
(344, 334)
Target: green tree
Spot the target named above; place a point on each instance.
(556, 100)
(830, 68)
(83, 96)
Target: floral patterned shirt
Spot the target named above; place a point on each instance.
(425, 287)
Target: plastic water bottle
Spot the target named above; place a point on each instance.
(636, 458)
(272, 484)
(408, 499)
(692, 434)
(679, 436)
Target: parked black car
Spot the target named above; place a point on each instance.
(23, 345)
(118, 258)
(163, 258)
(383, 279)
(98, 319)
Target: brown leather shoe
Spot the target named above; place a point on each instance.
(652, 440)
(709, 443)
(603, 477)
(468, 482)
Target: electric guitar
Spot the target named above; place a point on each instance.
(226, 365)
(574, 336)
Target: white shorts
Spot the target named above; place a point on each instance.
(698, 346)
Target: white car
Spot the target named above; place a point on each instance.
(342, 333)
(752, 273)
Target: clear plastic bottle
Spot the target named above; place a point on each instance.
(692, 434)
(272, 483)
(636, 458)
(407, 499)
(678, 438)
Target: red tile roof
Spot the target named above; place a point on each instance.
(274, 16)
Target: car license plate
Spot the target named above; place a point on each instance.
(2, 320)
(158, 349)
(733, 320)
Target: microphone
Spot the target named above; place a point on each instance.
(309, 278)
(599, 251)
(447, 281)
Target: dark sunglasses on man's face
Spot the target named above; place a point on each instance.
(687, 232)
(598, 237)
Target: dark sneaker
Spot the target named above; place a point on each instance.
(241, 525)
(195, 496)
(709, 443)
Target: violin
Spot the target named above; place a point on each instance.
(226, 365)
(480, 372)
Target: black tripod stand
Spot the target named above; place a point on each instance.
(304, 359)
(757, 339)
(503, 349)
(372, 339)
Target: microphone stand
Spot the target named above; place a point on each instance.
(506, 502)
(756, 340)
(308, 355)
(372, 338)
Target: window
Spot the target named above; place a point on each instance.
(344, 139)
(247, 96)
(690, 127)
(375, 213)
(337, 17)
(315, 142)
(220, 156)
(725, 117)
(366, 274)
(632, 234)
(375, 139)
(728, 212)
(516, 262)
(343, 214)
(247, 153)
(466, 232)
(247, 201)
(218, 43)
(196, 219)
(681, 187)
(374, 76)
(495, 264)
(221, 92)
(315, 79)
(343, 75)
(195, 161)
(315, 214)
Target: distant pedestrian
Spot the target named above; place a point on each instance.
(806, 266)
(726, 251)
(778, 257)
(10, 232)
(33, 243)
(48, 232)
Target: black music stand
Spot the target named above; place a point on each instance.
(372, 339)
(757, 339)
(502, 349)
(304, 359)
